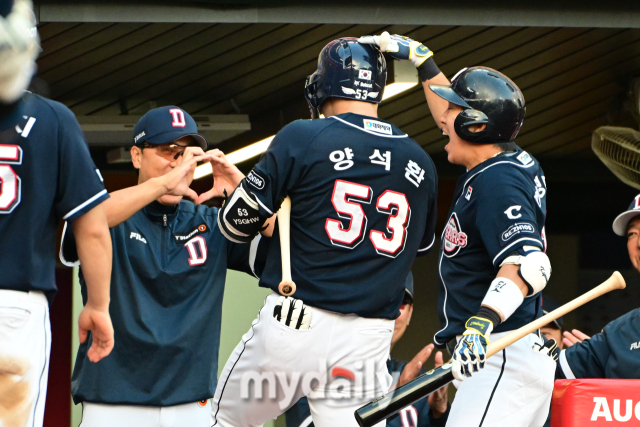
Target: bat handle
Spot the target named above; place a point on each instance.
(286, 287)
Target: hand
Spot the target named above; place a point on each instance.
(471, 351)
(575, 336)
(225, 176)
(412, 369)
(438, 399)
(98, 322)
(399, 47)
(549, 348)
(177, 181)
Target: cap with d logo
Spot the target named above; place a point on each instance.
(166, 124)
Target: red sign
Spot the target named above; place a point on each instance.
(595, 403)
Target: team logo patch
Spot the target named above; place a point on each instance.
(379, 127)
(454, 238)
(256, 180)
(181, 237)
(524, 158)
(364, 74)
(468, 195)
(517, 228)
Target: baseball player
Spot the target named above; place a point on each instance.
(613, 353)
(46, 174)
(492, 263)
(423, 413)
(169, 269)
(363, 198)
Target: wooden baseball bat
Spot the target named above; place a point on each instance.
(286, 286)
(390, 403)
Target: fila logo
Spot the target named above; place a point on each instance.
(138, 237)
(468, 195)
(364, 74)
(197, 248)
(27, 128)
(635, 345)
(178, 118)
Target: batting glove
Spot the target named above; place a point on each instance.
(399, 47)
(471, 352)
(292, 312)
(549, 348)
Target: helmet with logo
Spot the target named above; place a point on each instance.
(488, 97)
(346, 69)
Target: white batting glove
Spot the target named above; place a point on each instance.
(292, 312)
(471, 352)
(399, 47)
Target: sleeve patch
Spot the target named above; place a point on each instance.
(517, 229)
(256, 180)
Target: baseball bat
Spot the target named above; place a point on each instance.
(286, 286)
(390, 403)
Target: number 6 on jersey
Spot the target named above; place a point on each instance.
(347, 199)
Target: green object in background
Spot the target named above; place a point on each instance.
(242, 301)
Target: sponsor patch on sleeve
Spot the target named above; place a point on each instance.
(379, 127)
(256, 180)
(524, 158)
(516, 229)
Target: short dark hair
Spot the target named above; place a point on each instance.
(506, 146)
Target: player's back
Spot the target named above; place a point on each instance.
(46, 175)
(363, 203)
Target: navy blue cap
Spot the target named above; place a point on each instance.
(622, 221)
(164, 125)
(5, 7)
(548, 305)
(408, 285)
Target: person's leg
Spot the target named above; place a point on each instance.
(104, 415)
(513, 389)
(25, 345)
(194, 414)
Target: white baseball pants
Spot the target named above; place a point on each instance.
(195, 414)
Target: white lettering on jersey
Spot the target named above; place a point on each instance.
(414, 173)
(342, 159)
(381, 159)
(376, 126)
(510, 213)
(635, 345)
(138, 237)
(454, 238)
(540, 191)
(178, 118)
(195, 245)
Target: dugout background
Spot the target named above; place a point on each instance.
(239, 68)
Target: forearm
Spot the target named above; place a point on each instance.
(437, 105)
(93, 242)
(123, 204)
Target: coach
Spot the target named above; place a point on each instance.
(169, 268)
(615, 352)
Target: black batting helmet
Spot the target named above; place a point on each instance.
(346, 69)
(488, 97)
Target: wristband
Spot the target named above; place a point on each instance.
(504, 297)
(428, 70)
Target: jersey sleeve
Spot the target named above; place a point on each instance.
(250, 259)
(506, 212)
(80, 185)
(586, 359)
(429, 237)
(279, 167)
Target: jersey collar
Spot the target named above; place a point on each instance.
(156, 211)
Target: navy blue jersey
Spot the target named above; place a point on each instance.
(613, 353)
(498, 207)
(167, 283)
(46, 174)
(363, 198)
(415, 415)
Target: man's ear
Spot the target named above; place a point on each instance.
(477, 128)
(136, 156)
(410, 312)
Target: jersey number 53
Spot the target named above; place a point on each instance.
(347, 199)
(10, 184)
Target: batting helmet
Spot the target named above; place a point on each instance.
(488, 97)
(19, 47)
(346, 69)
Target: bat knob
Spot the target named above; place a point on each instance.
(286, 288)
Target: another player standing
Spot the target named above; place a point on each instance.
(46, 175)
(169, 268)
(363, 205)
(492, 260)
